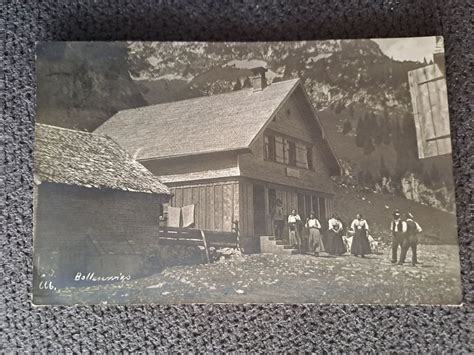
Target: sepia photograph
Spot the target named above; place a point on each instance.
(244, 172)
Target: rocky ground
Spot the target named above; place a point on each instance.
(291, 279)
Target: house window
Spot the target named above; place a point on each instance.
(270, 148)
(279, 149)
(291, 153)
(288, 151)
(301, 155)
(309, 157)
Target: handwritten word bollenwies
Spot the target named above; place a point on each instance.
(91, 276)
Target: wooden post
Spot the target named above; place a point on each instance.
(266, 207)
(205, 246)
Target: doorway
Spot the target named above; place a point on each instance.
(259, 210)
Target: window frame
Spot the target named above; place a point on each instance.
(282, 149)
(269, 147)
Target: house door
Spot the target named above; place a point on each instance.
(259, 210)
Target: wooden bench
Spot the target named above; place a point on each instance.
(198, 237)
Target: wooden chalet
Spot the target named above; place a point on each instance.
(96, 210)
(233, 155)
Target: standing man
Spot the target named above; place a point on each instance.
(410, 240)
(398, 228)
(278, 220)
(294, 237)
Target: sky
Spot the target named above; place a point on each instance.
(414, 48)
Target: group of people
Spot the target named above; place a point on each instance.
(310, 235)
(404, 235)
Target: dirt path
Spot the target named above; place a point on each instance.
(293, 279)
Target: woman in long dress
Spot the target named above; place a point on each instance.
(335, 243)
(314, 240)
(293, 220)
(360, 242)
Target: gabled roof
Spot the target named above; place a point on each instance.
(223, 122)
(86, 159)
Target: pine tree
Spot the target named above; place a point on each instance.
(397, 135)
(409, 135)
(383, 168)
(237, 85)
(386, 129)
(378, 130)
(339, 107)
(347, 127)
(368, 146)
(360, 133)
(435, 176)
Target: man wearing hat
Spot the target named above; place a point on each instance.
(398, 228)
(410, 240)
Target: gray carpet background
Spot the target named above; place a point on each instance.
(219, 328)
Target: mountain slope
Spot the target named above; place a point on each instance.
(81, 84)
(361, 95)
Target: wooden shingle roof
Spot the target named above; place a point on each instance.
(206, 124)
(86, 159)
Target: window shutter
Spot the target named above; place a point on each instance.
(309, 157)
(301, 156)
(291, 152)
(279, 149)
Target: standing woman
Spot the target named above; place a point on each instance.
(360, 242)
(336, 244)
(293, 220)
(315, 245)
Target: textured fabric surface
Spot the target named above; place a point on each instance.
(218, 327)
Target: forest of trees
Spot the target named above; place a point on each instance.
(375, 129)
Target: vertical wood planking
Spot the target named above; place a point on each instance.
(173, 199)
(178, 198)
(218, 213)
(187, 196)
(250, 209)
(430, 108)
(236, 203)
(227, 208)
(246, 209)
(242, 203)
(210, 207)
(203, 208)
(268, 228)
(195, 201)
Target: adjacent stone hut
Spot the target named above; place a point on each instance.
(96, 210)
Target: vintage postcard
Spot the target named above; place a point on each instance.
(264, 172)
